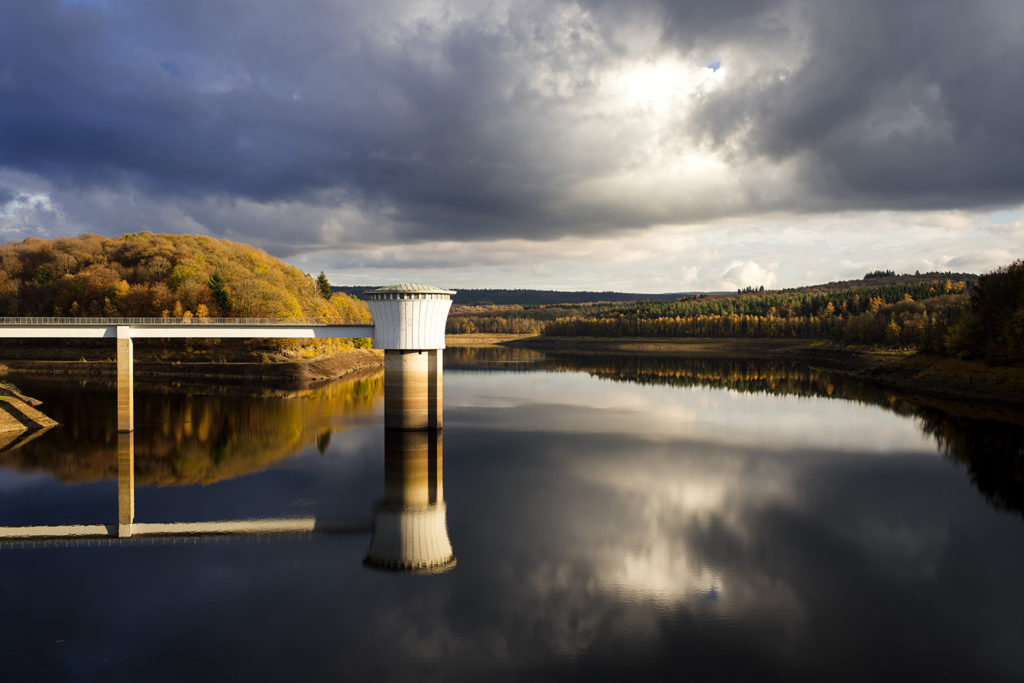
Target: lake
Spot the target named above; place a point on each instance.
(606, 517)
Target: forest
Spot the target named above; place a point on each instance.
(154, 275)
(951, 314)
(179, 276)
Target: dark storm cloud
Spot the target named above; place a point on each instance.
(898, 105)
(475, 123)
(268, 103)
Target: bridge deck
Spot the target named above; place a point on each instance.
(171, 328)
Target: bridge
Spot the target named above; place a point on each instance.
(124, 330)
(408, 324)
(409, 530)
(183, 328)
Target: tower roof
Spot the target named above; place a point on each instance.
(410, 288)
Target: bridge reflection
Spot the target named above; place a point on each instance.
(408, 533)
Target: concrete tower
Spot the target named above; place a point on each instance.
(408, 323)
(410, 526)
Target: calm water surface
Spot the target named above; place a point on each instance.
(611, 517)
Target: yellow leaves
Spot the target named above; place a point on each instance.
(147, 274)
(892, 333)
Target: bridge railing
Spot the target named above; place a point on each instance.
(289, 322)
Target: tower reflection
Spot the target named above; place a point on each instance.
(410, 525)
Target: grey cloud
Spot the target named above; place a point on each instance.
(481, 123)
(897, 105)
(248, 120)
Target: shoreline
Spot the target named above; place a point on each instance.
(942, 382)
(276, 374)
(937, 380)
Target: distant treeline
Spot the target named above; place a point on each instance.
(945, 313)
(527, 297)
(517, 318)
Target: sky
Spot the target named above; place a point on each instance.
(643, 146)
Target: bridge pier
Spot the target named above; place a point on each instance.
(413, 389)
(408, 324)
(125, 483)
(125, 380)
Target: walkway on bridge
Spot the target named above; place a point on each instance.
(181, 328)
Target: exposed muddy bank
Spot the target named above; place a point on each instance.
(276, 373)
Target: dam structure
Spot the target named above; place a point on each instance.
(409, 528)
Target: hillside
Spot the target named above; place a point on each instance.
(974, 317)
(157, 275)
(790, 311)
(955, 314)
(881, 278)
(551, 297)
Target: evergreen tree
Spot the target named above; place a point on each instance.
(323, 286)
(220, 292)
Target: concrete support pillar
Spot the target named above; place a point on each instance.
(125, 381)
(407, 389)
(435, 389)
(125, 483)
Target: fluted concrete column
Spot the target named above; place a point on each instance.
(125, 381)
(125, 483)
(406, 390)
(410, 526)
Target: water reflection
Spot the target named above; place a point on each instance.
(199, 436)
(215, 434)
(125, 483)
(409, 531)
(592, 545)
(992, 452)
(496, 358)
(410, 525)
(988, 441)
